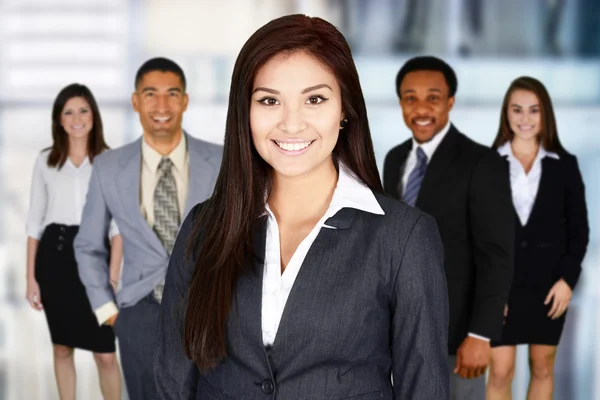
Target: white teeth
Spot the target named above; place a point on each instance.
(76, 126)
(162, 119)
(423, 123)
(525, 127)
(293, 146)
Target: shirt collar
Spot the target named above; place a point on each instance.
(152, 158)
(349, 193)
(506, 151)
(430, 147)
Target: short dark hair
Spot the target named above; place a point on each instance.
(428, 63)
(159, 64)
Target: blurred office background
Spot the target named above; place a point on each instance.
(47, 44)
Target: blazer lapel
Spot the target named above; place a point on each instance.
(442, 157)
(292, 336)
(200, 177)
(549, 169)
(399, 170)
(129, 185)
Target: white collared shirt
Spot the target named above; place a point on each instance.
(429, 148)
(58, 195)
(349, 193)
(524, 186)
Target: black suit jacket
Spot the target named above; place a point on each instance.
(554, 241)
(467, 191)
(370, 301)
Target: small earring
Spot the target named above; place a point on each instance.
(343, 123)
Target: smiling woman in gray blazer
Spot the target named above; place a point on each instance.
(299, 278)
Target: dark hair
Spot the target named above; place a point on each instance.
(548, 134)
(428, 63)
(59, 151)
(159, 64)
(226, 221)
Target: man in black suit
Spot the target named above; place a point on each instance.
(465, 187)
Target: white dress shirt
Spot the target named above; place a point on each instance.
(524, 186)
(429, 148)
(58, 195)
(349, 193)
(148, 180)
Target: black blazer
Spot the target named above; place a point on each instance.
(554, 241)
(466, 190)
(369, 301)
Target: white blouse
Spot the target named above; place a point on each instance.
(349, 193)
(524, 186)
(58, 196)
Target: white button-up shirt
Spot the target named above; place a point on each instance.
(524, 186)
(58, 195)
(349, 193)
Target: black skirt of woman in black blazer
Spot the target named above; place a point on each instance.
(549, 247)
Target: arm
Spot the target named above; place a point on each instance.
(420, 318)
(116, 257)
(175, 375)
(91, 251)
(34, 228)
(578, 230)
(491, 223)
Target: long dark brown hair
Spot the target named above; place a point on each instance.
(226, 221)
(60, 145)
(548, 135)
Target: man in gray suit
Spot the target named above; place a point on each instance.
(147, 187)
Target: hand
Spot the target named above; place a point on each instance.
(472, 357)
(33, 295)
(111, 321)
(560, 295)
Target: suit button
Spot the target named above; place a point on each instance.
(59, 247)
(524, 244)
(61, 238)
(267, 386)
(62, 229)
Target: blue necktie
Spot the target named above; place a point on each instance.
(413, 184)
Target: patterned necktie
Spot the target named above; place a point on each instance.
(166, 212)
(413, 184)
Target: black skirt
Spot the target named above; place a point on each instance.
(70, 317)
(527, 321)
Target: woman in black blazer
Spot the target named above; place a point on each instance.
(551, 237)
(299, 278)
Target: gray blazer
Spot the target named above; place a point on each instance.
(369, 302)
(114, 192)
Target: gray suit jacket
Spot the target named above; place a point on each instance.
(369, 302)
(114, 192)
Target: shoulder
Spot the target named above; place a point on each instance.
(568, 163)
(396, 151)
(400, 219)
(42, 157)
(482, 158)
(207, 148)
(111, 157)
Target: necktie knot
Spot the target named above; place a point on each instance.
(165, 165)
(421, 156)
